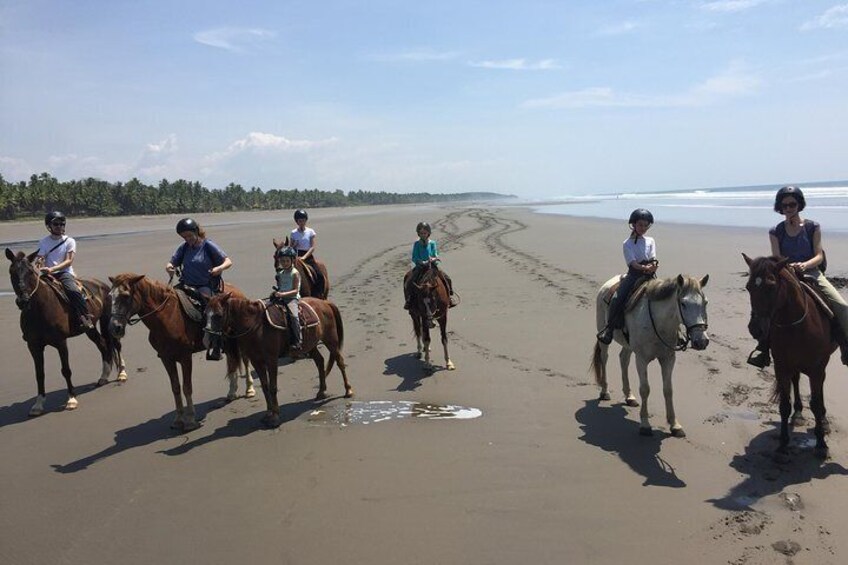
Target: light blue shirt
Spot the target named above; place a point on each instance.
(421, 254)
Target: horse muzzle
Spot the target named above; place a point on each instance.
(117, 327)
(699, 338)
(22, 302)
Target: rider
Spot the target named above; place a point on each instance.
(424, 252)
(800, 241)
(56, 254)
(202, 263)
(640, 254)
(303, 239)
(287, 292)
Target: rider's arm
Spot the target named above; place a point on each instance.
(215, 271)
(775, 245)
(69, 259)
(817, 257)
(312, 245)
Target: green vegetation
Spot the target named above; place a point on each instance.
(94, 197)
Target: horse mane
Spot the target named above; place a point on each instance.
(760, 264)
(153, 288)
(661, 289)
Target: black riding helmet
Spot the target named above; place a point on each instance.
(187, 224)
(287, 252)
(792, 191)
(300, 215)
(423, 225)
(50, 217)
(640, 214)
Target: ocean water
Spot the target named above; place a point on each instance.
(827, 203)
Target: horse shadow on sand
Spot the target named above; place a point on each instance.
(139, 435)
(18, 413)
(410, 370)
(607, 427)
(769, 472)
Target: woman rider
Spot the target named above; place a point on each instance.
(303, 239)
(800, 241)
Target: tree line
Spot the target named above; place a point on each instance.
(95, 197)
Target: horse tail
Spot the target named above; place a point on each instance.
(597, 363)
(339, 324)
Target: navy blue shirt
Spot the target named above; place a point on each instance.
(196, 262)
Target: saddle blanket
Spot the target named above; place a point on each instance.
(276, 315)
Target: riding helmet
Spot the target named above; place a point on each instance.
(54, 215)
(300, 215)
(287, 252)
(640, 214)
(423, 225)
(793, 191)
(187, 224)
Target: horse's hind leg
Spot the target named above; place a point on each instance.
(322, 374)
(599, 365)
(644, 392)
(106, 357)
(624, 360)
(62, 348)
(249, 390)
(37, 352)
(189, 417)
(667, 368)
(820, 412)
(336, 354)
(174, 378)
(783, 387)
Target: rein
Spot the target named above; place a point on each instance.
(683, 343)
(130, 321)
(799, 320)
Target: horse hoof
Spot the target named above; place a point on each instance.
(191, 425)
(230, 397)
(101, 382)
(451, 366)
(604, 396)
(321, 396)
(678, 432)
(646, 431)
(821, 453)
(418, 355)
(632, 402)
(349, 393)
(35, 412)
(122, 377)
(250, 393)
(177, 424)
(72, 404)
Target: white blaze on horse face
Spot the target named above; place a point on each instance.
(758, 281)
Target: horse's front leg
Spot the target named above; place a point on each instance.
(106, 358)
(443, 327)
(425, 336)
(119, 360)
(37, 352)
(797, 415)
(644, 392)
(667, 368)
(784, 384)
(234, 362)
(249, 390)
(820, 412)
(62, 348)
(174, 378)
(624, 359)
(189, 416)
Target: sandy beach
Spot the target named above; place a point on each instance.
(546, 473)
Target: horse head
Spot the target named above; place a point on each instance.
(216, 313)
(693, 309)
(126, 302)
(764, 288)
(24, 276)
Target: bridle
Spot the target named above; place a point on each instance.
(771, 318)
(224, 321)
(682, 342)
(22, 297)
(128, 318)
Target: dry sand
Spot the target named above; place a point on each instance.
(547, 474)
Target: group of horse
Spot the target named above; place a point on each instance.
(668, 315)
(250, 331)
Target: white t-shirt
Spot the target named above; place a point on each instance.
(57, 255)
(643, 249)
(302, 240)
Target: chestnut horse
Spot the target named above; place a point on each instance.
(429, 303)
(800, 336)
(46, 320)
(246, 321)
(306, 283)
(173, 335)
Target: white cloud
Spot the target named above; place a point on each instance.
(517, 64)
(259, 141)
(620, 28)
(733, 82)
(833, 18)
(15, 169)
(731, 5)
(236, 40)
(417, 55)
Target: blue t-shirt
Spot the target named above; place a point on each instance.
(196, 262)
(421, 254)
(798, 248)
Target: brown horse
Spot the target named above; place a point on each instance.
(800, 336)
(173, 335)
(263, 343)
(307, 284)
(430, 301)
(46, 320)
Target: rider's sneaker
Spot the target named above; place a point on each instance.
(605, 335)
(759, 359)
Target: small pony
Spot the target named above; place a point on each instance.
(429, 304)
(307, 280)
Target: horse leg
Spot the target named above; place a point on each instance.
(273, 372)
(249, 390)
(37, 352)
(667, 368)
(113, 348)
(233, 365)
(322, 374)
(425, 337)
(599, 363)
(443, 327)
(174, 378)
(416, 326)
(797, 416)
(262, 370)
(644, 392)
(106, 357)
(189, 417)
(784, 383)
(62, 348)
(820, 412)
(624, 360)
(119, 360)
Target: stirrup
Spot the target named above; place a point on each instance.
(759, 359)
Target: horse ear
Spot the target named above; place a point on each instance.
(226, 296)
(748, 260)
(277, 244)
(136, 278)
(112, 280)
(704, 280)
(286, 241)
(9, 255)
(782, 263)
(680, 280)
(31, 257)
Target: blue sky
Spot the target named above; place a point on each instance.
(535, 98)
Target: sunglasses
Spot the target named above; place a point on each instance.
(789, 205)
(57, 224)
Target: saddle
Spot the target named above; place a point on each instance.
(635, 295)
(59, 289)
(275, 313)
(810, 288)
(190, 303)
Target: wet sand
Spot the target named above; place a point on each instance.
(544, 473)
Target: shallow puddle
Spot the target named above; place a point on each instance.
(359, 412)
(742, 414)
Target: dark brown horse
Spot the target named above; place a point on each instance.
(429, 304)
(173, 335)
(800, 337)
(46, 319)
(307, 284)
(263, 343)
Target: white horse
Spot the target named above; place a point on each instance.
(653, 326)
